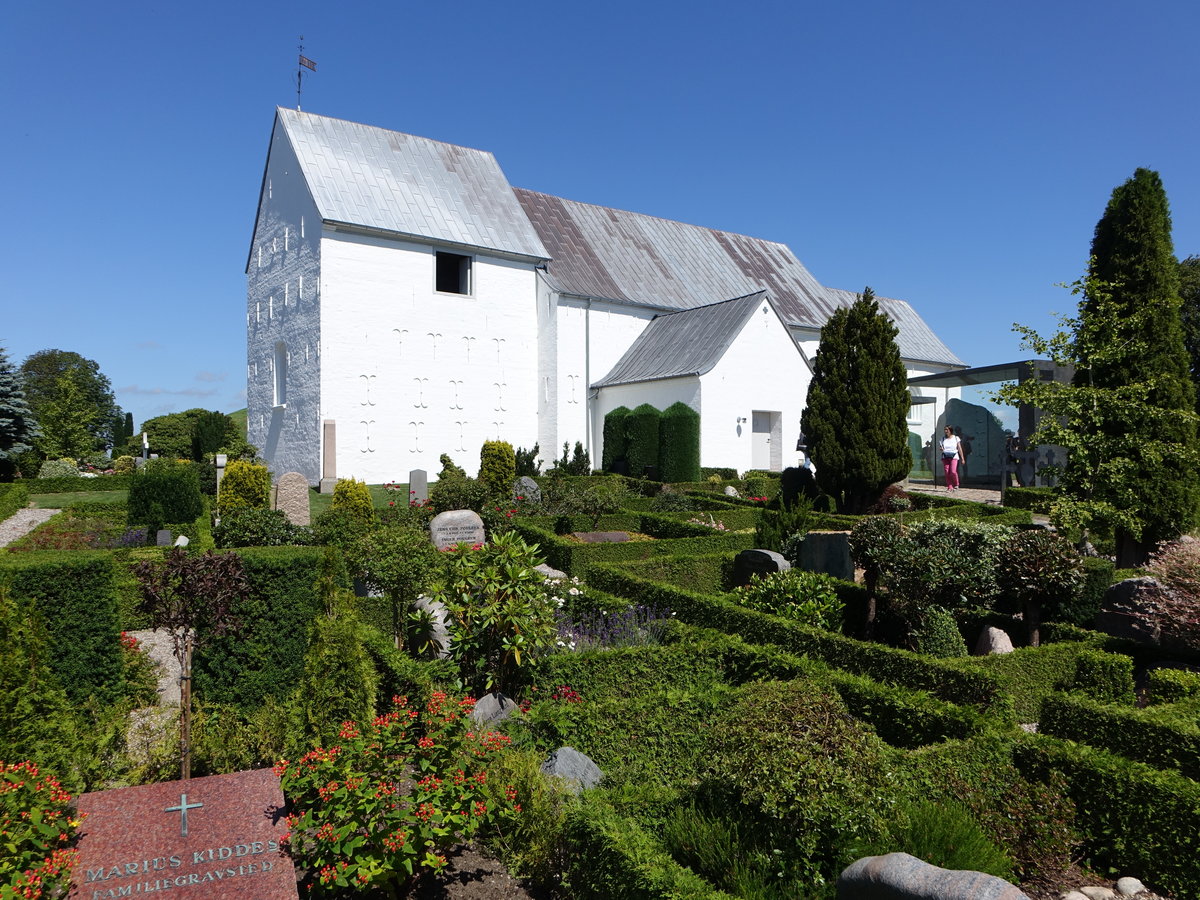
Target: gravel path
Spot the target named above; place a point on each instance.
(22, 522)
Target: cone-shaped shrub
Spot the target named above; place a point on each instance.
(246, 485)
(498, 467)
(679, 443)
(615, 442)
(641, 434)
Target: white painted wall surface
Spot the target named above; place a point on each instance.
(409, 373)
(762, 370)
(283, 305)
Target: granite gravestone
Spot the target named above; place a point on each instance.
(291, 496)
(213, 838)
(456, 526)
(163, 537)
(418, 485)
(526, 488)
(749, 563)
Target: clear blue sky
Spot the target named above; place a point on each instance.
(956, 155)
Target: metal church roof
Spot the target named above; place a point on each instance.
(689, 342)
(916, 340)
(387, 180)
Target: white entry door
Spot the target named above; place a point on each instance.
(760, 440)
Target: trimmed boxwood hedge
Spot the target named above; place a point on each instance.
(266, 655)
(1132, 733)
(615, 441)
(641, 430)
(885, 664)
(1034, 499)
(73, 593)
(679, 444)
(1133, 817)
(70, 484)
(12, 498)
(1029, 674)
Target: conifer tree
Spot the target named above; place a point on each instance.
(18, 428)
(855, 417)
(1133, 258)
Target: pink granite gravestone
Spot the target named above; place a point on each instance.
(213, 838)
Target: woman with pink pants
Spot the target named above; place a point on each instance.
(951, 456)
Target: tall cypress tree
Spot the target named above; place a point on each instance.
(855, 417)
(1132, 293)
(18, 428)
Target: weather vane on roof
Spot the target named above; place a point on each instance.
(305, 63)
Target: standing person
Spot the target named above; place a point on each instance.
(951, 455)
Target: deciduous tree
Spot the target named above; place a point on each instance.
(42, 374)
(855, 418)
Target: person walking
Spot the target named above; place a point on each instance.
(951, 456)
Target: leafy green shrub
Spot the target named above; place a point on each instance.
(641, 430)
(942, 562)
(1107, 677)
(38, 822)
(501, 617)
(669, 501)
(616, 441)
(806, 597)
(458, 493)
(244, 527)
(340, 681)
(449, 469)
(946, 834)
(497, 467)
(873, 546)
(679, 444)
(798, 766)
(124, 465)
(938, 635)
(1034, 499)
(12, 498)
(354, 497)
(527, 462)
(165, 491)
(722, 474)
(339, 527)
(578, 464)
(777, 525)
(401, 563)
(1097, 578)
(245, 485)
(1043, 573)
(1170, 685)
(59, 468)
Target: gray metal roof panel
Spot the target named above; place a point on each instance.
(916, 339)
(396, 182)
(689, 342)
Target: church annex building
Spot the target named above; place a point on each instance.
(402, 290)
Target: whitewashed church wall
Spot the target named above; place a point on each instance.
(591, 337)
(762, 370)
(283, 308)
(409, 373)
(547, 359)
(659, 394)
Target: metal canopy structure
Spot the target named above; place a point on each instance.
(1012, 371)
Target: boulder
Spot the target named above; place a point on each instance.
(993, 640)
(493, 708)
(731, 491)
(576, 769)
(898, 876)
(1127, 610)
(1129, 886)
(1096, 892)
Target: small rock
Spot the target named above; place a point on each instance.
(1095, 892)
(993, 641)
(492, 708)
(182, 541)
(731, 491)
(551, 572)
(1129, 886)
(1072, 895)
(575, 768)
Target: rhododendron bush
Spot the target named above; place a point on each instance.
(392, 796)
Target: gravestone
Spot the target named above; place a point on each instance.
(163, 538)
(328, 456)
(182, 541)
(291, 496)
(749, 563)
(418, 485)
(212, 838)
(827, 552)
(456, 526)
(528, 488)
(602, 537)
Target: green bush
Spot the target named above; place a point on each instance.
(266, 655)
(1097, 578)
(1170, 685)
(527, 462)
(1042, 572)
(938, 635)
(165, 491)
(400, 563)
(59, 468)
(723, 474)
(642, 430)
(458, 493)
(497, 467)
(449, 468)
(340, 681)
(776, 526)
(245, 485)
(339, 527)
(1029, 674)
(1107, 677)
(124, 465)
(616, 442)
(679, 444)
(1155, 828)
(246, 527)
(12, 498)
(72, 592)
(809, 598)
(947, 835)
(78, 483)
(1034, 499)
(353, 497)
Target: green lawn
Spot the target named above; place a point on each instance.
(318, 503)
(58, 501)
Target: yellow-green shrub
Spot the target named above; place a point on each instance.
(498, 467)
(123, 465)
(353, 497)
(246, 485)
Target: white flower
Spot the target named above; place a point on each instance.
(574, 592)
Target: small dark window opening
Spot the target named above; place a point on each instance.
(453, 275)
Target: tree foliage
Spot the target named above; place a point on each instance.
(1189, 295)
(175, 434)
(68, 421)
(1127, 421)
(43, 375)
(18, 427)
(855, 417)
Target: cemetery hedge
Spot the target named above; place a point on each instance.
(1132, 816)
(265, 656)
(641, 431)
(1146, 735)
(70, 484)
(1030, 674)
(679, 444)
(615, 441)
(73, 594)
(12, 498)
(1034, 499)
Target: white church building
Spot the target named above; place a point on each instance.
(404, 301)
